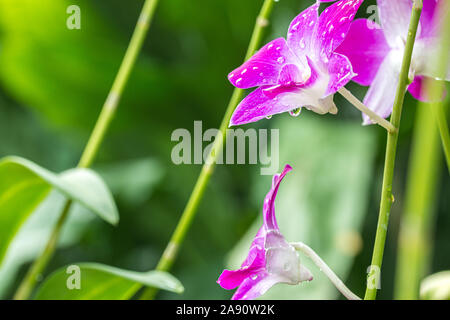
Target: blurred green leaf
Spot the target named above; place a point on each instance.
(30, 241)
(436, 286)
(323, 201)
(132, 181)
(24, 185)
(101, 282)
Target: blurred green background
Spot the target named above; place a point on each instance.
(53, 82)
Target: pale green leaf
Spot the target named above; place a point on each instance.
(24, 185)
(92, 281)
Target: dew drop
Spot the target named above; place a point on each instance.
(254, 277)
(269, 117)
(302, 43)
(280, 60)
(295, 112)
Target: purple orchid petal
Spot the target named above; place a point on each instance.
(255, 286)
(333, 26)
(301, 30)
(417, 89)
(258, 105)
(264, 67)
(430, 19)
(271, 259)
(366, 47)
(270, 221)
(425, 50)
(340, 71)
(255, 261)
(381, 95)
(394, 17)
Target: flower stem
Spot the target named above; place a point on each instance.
(437, 92)
(169, 255)
(389, 163)
(310, 253)
(415, 239)
(95, 140)
(441, 119)
(361, 107)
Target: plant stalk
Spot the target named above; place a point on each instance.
(310, 253)
(170, 253)
(415, 241)
(97, 136)
(437, 92)
(361, 107)
(415, 238)
(389, 163)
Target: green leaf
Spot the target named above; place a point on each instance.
(24, 185)
(436, 286)
(101, 282)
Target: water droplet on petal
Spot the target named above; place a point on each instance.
(254, 277)
(302, 43)
(295, 112)
(269, 117)
(280, 60)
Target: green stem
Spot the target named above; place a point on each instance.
(95, 140)
(338, 283)
(389, 164)
(441, 118)
(436, 92)
(414, 236)
(27, 285)
(170, 253)
(415, 241)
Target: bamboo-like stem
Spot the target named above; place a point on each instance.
(389, 163)
(437, 92)
(415, 239)
(310, 253)
(170, 253)
(95, 140)
(361, 107)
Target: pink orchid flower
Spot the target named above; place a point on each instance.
(302, 71)
(376, 52)
(271, 258)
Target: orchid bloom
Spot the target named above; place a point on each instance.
(376, 52)
(302, 71)
(271, 258)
